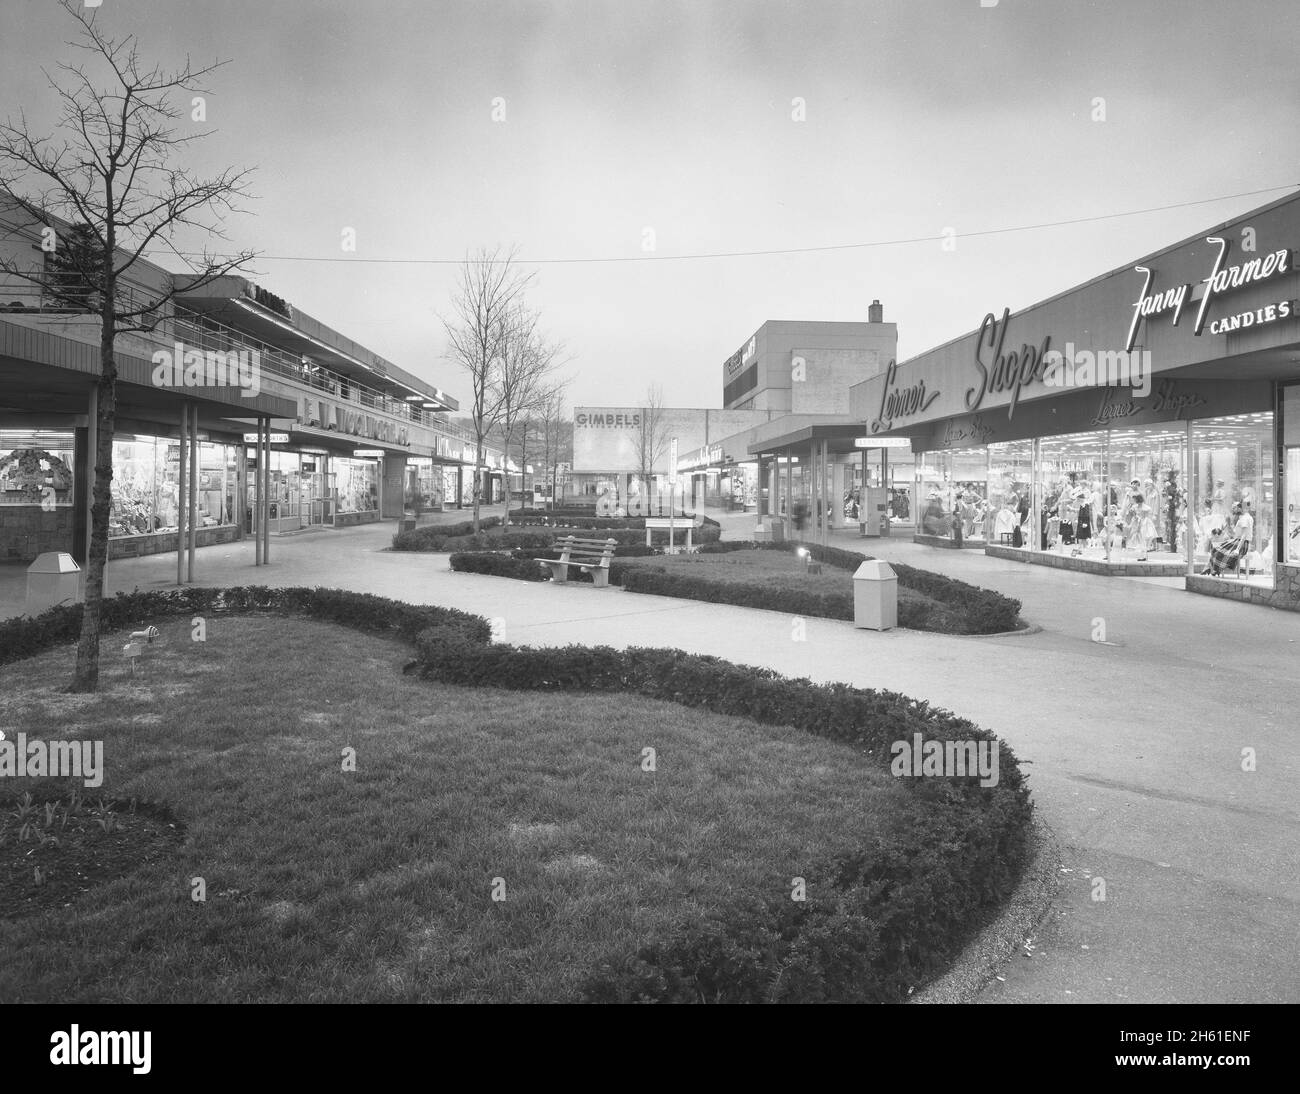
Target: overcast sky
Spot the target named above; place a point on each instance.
(920, 115)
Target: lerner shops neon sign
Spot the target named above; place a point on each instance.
(1012, 371)
(900, 402)
(1220, 281)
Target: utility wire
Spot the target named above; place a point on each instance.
(785, 251)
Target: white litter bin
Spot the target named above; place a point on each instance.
(54, 578)
(875, 596)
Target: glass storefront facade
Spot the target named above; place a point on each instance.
(37, 468)
(357, 484)
(146, 485)
(1121, 495)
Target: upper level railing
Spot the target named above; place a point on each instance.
(202, 332)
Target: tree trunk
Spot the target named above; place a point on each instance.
(86, 675)
(478, 480)
(505, 454)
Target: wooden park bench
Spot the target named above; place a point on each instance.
(653, 524)
(588, 555)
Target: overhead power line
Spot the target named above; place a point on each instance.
(651, 257)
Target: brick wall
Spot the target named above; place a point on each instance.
(28, 530)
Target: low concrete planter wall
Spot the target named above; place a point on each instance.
(948, 542)
(162, 542)
(349, 520)
(1285, 593)
(1088, 565)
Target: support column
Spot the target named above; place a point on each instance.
(837, 492)
(182, 495)
(1189, 534)
(789, 487)
(818, 479)
(255, 515)
(827, 481)
(194, 488)
(266, 491)
(1036, 499)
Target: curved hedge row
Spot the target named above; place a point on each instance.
(432, 536)
(25, 636)
(885, 917)
(990, 611)
(881, 918)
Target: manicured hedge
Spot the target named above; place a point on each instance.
(26, 635)
(988, 612)
(984, 610)
(625, 529)
(881, 918)
(432, 536)
(499, 565)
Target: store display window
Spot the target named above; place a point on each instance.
(36, 468)
(1074, 502)
(1010, 478)
(1234, 500)
(357, 482)
(146, 485)
(952, 492)
(425, 485)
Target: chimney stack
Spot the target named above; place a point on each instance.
(875, 313)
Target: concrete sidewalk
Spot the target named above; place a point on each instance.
(1134, 743)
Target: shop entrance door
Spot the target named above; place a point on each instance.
(314, 498)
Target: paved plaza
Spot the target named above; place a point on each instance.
(1133, 745)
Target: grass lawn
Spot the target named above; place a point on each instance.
(377, 884)
(777, 568)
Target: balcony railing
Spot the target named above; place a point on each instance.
(204, 333)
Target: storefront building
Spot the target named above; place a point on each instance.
(227, 364)
(1147, 422)
(621, 455)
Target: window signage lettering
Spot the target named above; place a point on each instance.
(900, 402)
(1167, 399)
(1012, 371)
(964, 436)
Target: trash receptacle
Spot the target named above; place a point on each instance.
(884, 523)
(778, 529)
(875, 596)
(54, 578)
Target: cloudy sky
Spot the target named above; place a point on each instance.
(681, 118)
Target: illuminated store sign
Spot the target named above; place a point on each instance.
(740, 358)
(1221, 280)
(356, 423)
(900, 402)
(1011, 371)
(706, 457)
(1269, 313)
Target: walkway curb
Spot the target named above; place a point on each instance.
(1028, 906)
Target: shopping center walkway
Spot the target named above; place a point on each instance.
(1134, 743)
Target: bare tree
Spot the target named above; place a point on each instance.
(555, 435)
(651, 437)
(528, 366)
(102, 191)
(479, 334)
